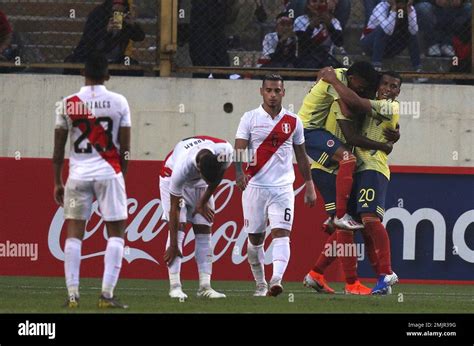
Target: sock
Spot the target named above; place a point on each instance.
(325, 261)
(344, 185)
(281, 256)
(371, 251)
(174, 271)
(379, 234)
(349, 263)
(72, 264)
(256, 258)
(203, 256)
(113, 263)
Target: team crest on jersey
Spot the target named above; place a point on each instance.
(330, 143)
(286, 128)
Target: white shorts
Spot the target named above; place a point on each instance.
(110, 195)
(191, 197)
(262, 205)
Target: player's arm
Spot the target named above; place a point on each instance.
(124, 140)
(349, 97)
(60, 138)
(355, 139)
(173, 251)
(202, 207)
(304, 167)
(241, 178)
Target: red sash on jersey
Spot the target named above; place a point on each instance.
(97, 134)
(166, 171)
(279, 135)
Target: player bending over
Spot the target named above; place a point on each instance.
(325, 148)
(190, 175)
(98, 123)
(272, 133)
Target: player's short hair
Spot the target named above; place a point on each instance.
(272, 77)
(211, 167)
(97, 66)
(365, 71)
(393, 74)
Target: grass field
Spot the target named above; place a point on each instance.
(46, 295)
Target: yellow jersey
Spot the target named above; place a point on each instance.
(317, 103)
(385, 114)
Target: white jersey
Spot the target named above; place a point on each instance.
(93, 117)
(271, 141)
(180, 166)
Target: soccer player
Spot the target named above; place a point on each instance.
(324, 147)
(98, 123)
(371, 181)
(190, 175)
(272, 133)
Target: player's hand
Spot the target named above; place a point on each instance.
(59, 194)
(242, 181)
(310, 194)
(392, 135)
(205, 211)
(171, 253)
(388, 147)
(328, 75)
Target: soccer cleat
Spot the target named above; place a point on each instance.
(317, 282)
(275, 289)
(110, 303)
(347, 222)
(209, 293)
(261, 291)
(177, 293)
(357, 288)
(384, 283)
(72, 302)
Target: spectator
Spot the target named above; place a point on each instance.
(462, 46)
(6, 33)
(279, 47)
(109, 28)
(208, 42)
(387, 35)
(436, 21)
(317, 31)
(341, 9)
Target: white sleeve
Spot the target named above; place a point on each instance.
(387, 20)
(61, 121)
(179, 177)
(336, 24)
(243, 131)
(225, 152)
(298, 135)
(270, 43)
(412, 22)
(301, 23)
(126, 119)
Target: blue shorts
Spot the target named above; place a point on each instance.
(368, 193)
(321, 145)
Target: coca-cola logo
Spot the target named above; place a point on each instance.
(227, 235)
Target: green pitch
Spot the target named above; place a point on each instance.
(46, 295)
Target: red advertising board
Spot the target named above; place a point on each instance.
(29, 215)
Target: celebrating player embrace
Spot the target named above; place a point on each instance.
(271, 132)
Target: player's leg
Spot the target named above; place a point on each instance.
(255, 218)
(326, 185)
(281, 206)
(327, 150)
(372, 187)
(78, 196)
(174, 270)
(203, 251)
(112, 201)
(347, 164)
